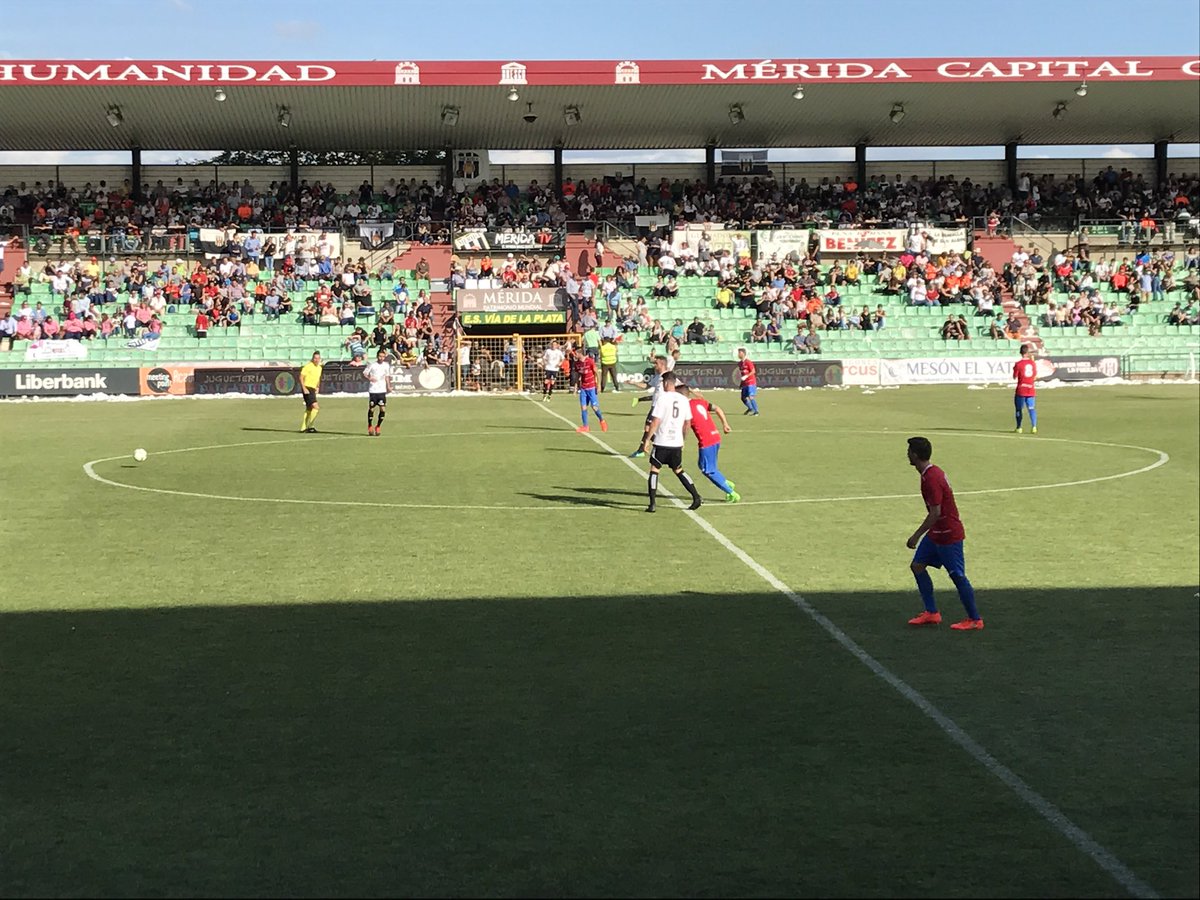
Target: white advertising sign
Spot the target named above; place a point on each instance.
(943, 240)
(861, 372)
(41, 351)
(948, 370)
(781, 242)
(862, 240)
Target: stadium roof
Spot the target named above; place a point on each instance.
(628, 104)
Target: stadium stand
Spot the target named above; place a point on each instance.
(284, 289)
(61, 216)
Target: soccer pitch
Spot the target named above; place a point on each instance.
(459, 659)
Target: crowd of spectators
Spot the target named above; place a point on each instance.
(128, 297)
(167, 212)
(799, 287)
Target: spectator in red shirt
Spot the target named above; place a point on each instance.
(202, 324)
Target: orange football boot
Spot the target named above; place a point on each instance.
(968, 625)
(926, 618)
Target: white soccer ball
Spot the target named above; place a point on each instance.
(140, 455)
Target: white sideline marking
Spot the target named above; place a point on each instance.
(1163, 459)
(89, 469)
(1047, 810)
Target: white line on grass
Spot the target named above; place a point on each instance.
(1163, 459)
(89, 469)
(1047, 810)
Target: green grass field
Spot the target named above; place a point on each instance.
(467, 663)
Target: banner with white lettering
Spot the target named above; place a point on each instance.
(40, 351)
(510, 300)
(403, 74)
(782, 243)
(862, 240)
(67, 382)
(483, 241)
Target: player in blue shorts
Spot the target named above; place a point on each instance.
(748, 376)
(1025, 398)
(585, 367)
(938, 541)
(708, 439)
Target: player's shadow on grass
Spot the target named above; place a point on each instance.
(603, 491)
(592, 450)
(578, 500)
(297, 431)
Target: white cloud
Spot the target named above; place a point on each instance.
(595, 157)
(296, 29)
(181, 5)
(520, 157)
(1119, 153)
(62, 158)
(97, 157)
(6, 54)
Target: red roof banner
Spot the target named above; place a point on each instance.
(407, 73)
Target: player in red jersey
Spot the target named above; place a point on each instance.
(585, 368)
(1025, 372)
(748, 376)
(938, 540)
(708, 439)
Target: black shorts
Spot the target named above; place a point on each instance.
(666, 457)
(376, 400)
(552, 374)
(310, 399)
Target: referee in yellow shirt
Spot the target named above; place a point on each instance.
(310, 385)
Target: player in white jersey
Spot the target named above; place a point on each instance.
(378, 375)
(654, 383)
(552, 363)
(669, 419)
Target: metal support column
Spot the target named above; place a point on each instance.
(558, 169)
(1160, 164)
(1010, 165)
(294, 169)
(135, 172)
(860, 165)
(710, 164)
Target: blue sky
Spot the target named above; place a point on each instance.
(539, 29)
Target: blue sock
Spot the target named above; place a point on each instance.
(966, 594)
(753, 405)
(718, 479)
(1033, 416)
(599, 415)
(1019, 410)
(925, 586)
(583, 413)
